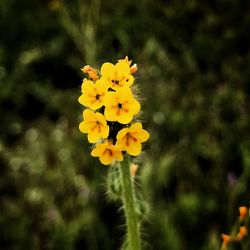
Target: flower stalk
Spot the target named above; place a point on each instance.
(109, 120)
(240, 230)
(129, 202)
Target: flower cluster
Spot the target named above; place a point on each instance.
(241, 229)
(111, 107)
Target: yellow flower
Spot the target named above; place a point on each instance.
(121, 106)
(130, 139)
(118, 75)
(107, 152)
(95, 125)
(93, 94)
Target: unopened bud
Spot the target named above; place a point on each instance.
(91, 72)
(55, 5)
(243, 212)
(133, 69)
(226, 238)
(133, 169)
(242, 233)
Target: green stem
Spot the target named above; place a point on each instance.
(128, 199)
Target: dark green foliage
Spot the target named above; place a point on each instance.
(194, 70)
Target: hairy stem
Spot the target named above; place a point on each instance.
(128, 199)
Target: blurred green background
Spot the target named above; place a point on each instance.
(194, 70)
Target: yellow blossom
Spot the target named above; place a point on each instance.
(93, 94)
(121, 106)
(130, 139)
(107, 152)
(95, 125)
(117, 75)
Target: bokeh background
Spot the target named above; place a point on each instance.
(194, 70)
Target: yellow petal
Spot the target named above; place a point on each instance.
(106, 82)
(100, 118)
(118, 155)
(83, 127)
(105, 132)
(136, 126)
(134, 106)
(90, 101)
(142, 135)
(124, 93)
(110, 115)
(95, 152)
(95, 105)
(106, 160)
(122, 70)
(128, 81)
(109, 99)
(120, 135)
(107, 157)
(93, 137)
(88, 115)
(134, 149)
(84, 100)
(107, 70)
(124, 118)
(87, 86)
(102, 85)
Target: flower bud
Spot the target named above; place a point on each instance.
(243, 212)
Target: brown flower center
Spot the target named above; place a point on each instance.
(115, 81)
(108, 151)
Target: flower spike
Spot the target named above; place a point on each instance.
(111, 109)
